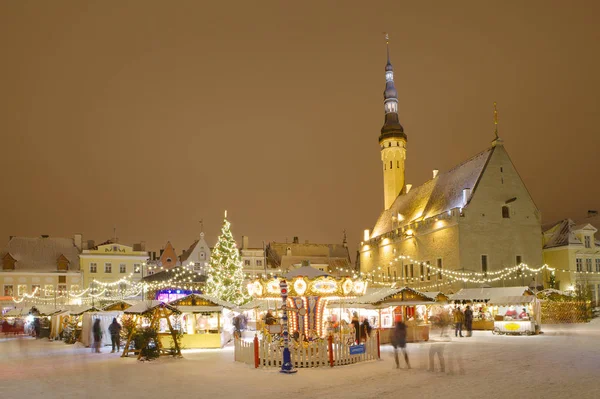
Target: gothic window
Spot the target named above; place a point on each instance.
(505, 212)
(440, 267)
(391, 165)
(398, 164)
(484, 264)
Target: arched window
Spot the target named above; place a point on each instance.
(505, 212)
(391, 165)
(398, 164)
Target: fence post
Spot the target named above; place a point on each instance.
(378, 346)
(330, 349)
(256, 358)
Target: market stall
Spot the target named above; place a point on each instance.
(495, 308)
(205, 322)
(87, 321)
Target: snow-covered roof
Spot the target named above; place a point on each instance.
(512, 300)
(483, 293)
(562, 234)
(41, 254)
(202, 298)
(436, 196)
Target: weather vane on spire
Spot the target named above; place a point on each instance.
(495, 120)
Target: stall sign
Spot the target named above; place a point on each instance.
(357, 349)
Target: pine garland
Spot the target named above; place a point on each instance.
(225, 272)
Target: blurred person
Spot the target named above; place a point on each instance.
(437, 348)
(469, 321)
(97, 333)
(459, 319)
(523, 314)
(399, 343)
(115, 335)
(356, 325)
(365, 330)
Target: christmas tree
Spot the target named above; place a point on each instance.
(225, 273)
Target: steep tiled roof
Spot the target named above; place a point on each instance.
(40, 254)
(435, 196)
(561, 234)
(186, 254)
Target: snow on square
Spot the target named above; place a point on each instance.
(564, 362)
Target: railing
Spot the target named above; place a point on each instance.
(322, 353)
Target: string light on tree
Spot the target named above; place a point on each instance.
(225, 272)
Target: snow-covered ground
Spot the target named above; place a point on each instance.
(564, 362)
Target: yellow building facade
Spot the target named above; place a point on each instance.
(110, 262)
(574, 251)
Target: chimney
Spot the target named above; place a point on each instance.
(154, 255)
(366, 235)
(592, 213)
(143, 245)
(466, 196)
(161, 251)
(78, 241)
(90, 244)
(408, 187)
(435, 173)
(244, 242)
(296, 241)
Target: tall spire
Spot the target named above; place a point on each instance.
(495, 120)
(391, 126)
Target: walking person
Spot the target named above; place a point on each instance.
(469, 321)
(115, 335)
(97, 333)
(365, 330)
(459, 319)
(356, 324)
(399, 343)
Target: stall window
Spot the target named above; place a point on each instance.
(484, 264)
(440, 267)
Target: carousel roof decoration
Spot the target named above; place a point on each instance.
(308, 281)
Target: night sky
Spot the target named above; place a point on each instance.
(150, 116)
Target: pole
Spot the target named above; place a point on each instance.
(286, 366)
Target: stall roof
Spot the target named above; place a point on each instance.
(203, 300)
(258, 303)
(124, 304)
(483, 293)
(512, 300)
(17, 312)
(200, 309)
(45, 310)
(77, 310)
(148, 306)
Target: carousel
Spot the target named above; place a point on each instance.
(310, 290)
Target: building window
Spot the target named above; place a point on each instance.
(246, 262)
(93, 268)
(505, 212)
(588, 264)
(8, 290)
(62, 279)
(122, 268)
(484, 264)
(22, 289)
(74, 288)
(398, 164)
(519, 260)
(391, 164)
(137, 268)
(428, 271)
(588, 241)
(49, 290)
(412, 271)
(395, 276)
(259, 262)
(405, 271)
(579, 264)
(62, 289)
(36, 289)
(422, 272)
(440, 267)
(598, 265)
(107, 268)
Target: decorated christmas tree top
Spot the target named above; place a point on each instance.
(225, 272)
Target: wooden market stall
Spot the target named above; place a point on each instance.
(205, 322)
(156, 312)
(119, 306)
(492, 306)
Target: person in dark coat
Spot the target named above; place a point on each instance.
(469, 321)
(115, 335)
(459, 319)
(37, 326)
(356, 324)
(365, 330)
(399, 343)
(97, 333)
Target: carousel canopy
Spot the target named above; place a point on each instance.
(149, 306)
(485, 293)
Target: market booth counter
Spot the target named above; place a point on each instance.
(204, 321)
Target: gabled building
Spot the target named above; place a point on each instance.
(110, 261)
(573, 248)
(197, 255)
(476, 217)
(253, 259)
(329, 258)
(45, 266)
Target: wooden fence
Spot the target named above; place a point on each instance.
(323, 353)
